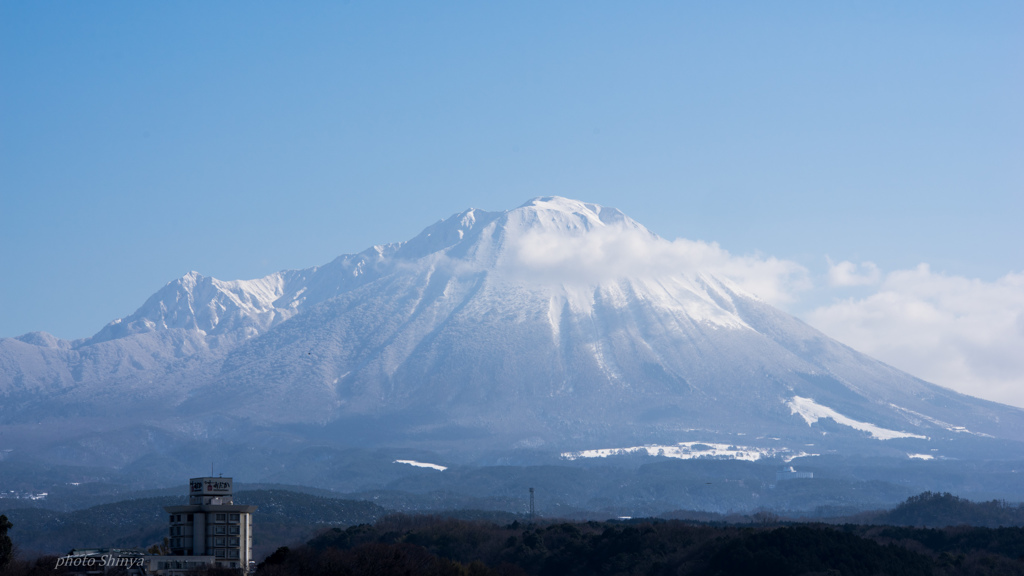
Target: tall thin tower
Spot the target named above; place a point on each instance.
(532, 512)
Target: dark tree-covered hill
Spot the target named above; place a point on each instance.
(446, 546)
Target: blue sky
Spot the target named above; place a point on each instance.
(141, 140)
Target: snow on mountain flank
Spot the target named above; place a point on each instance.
(944, 425)
(422, 464)
(559, 321)
(811, 412)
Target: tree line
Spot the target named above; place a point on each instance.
(438, 546)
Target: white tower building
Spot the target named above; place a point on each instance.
(212, 525)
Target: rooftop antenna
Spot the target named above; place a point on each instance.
(532, 511)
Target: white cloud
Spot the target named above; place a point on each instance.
(613, 252)
(958, 332)
(962, 333)
(847, 273)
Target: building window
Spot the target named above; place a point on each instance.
(221, 517)
(219, 529)
(234, 517)
(232, 541)
(234, 553)
(232, 529)
(172, 518)
(189, 517)
(218, 542)
(219, 553)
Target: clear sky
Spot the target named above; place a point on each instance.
(142, 140)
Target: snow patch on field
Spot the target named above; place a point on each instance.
(690, 450)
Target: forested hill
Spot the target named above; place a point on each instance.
(937, 510)
(445, 546)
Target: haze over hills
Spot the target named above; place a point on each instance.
(559, 327)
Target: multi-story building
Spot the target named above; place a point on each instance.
(211, 526)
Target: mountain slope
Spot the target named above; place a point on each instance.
(559, 326)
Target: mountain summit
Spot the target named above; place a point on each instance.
(559, 326)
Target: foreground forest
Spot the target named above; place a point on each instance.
(444, 546)
(927, 534)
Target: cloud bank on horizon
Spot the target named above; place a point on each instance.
(962, 333)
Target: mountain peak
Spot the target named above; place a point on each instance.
(559, 322)
(570, 206)
(205, 304)
(566, 215)
(192, 278)
(43, 339)
(196, 302)
(560, 203)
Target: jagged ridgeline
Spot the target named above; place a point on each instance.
(558, 327)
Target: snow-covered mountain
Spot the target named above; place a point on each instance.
(558, 325)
